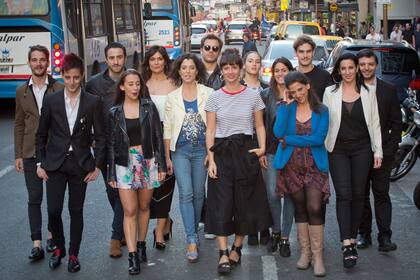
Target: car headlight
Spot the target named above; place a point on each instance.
(416, 117)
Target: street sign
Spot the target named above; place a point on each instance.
(333, 7)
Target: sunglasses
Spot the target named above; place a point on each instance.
(207, 48)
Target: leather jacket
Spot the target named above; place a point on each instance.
(270, 112)
(215, 80)
(151, 137)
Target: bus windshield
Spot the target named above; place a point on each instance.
(161, 4)
(24, 7)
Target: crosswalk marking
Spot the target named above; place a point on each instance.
(269, 268)
(6, 170)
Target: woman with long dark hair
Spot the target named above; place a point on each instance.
(354, 145)
(282, 220)
(185, 144)
(155, 72)
(136, 160)
(302, 159)
(236, 198)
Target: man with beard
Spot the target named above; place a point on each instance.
(304, 49)
(210, 48)
(104, 85)
(29, 98)
(390, 119)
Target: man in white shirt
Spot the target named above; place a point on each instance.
(29, 99)
(396, 34)
(373, 36)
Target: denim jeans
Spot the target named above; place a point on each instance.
(191, 174)
(275, 202)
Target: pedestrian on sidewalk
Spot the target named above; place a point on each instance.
(237, 199)
(282, 214)
(185, 144)
(104, 85)
(29, 98)
(252, 66)
(71, 119)
(378, 181)
(155, 72)
(373, 36)
(396, 34)
(136, 160)
(301, 126)
(354, 145)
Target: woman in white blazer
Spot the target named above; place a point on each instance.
(354, 144)
(185, 142)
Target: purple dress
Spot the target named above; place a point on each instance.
(301, 169)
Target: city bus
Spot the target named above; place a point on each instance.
(169, 26)
(82, 27)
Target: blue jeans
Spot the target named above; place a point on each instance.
(270, 175)
(191, 174)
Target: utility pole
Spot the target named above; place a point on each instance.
(385, 20)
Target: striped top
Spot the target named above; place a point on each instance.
(234, 111)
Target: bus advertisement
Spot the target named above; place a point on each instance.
(63, 26)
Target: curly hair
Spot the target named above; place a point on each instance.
(176, 66)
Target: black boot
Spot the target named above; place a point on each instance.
(133, 263)
(141, 250)
(385, 244)
(273, 242)
(364, 240)
(264, 236)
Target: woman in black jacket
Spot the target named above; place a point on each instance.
(136, 159)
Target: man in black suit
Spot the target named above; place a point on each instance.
(70, 120)
(390, 119)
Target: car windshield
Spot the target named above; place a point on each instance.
(393, 60)
(294, 30)
(24, 7)
(237, 26)
(320, 53)
(198, 30)
(285, 50)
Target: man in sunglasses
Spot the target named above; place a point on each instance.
(210, 48)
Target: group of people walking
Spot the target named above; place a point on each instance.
(254, 157)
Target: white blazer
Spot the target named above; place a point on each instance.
(333, 100)
(175, 112)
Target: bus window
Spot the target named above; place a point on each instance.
(70, 16)
(24, 7)
(124, 15)
(161, 4)
(93, 13)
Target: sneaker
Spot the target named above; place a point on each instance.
(209, 236)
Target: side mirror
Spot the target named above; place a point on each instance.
(192, 12)
(147, 8)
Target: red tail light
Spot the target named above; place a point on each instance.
(266, 71)
(414, 84)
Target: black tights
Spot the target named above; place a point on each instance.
(309, 206)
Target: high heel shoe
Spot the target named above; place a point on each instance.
(224, 267)
(349, 260)
(156, 244)
(192, 256)
(141, 250)
(133, 263)
(238, 251)
(168, 235)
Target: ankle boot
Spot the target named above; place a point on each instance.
(133, 263)
(141, 250)
(305, 246)
(316, 235)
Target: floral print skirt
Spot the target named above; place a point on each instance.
(140, 173)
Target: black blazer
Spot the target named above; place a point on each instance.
(390, 116)
(54, 138)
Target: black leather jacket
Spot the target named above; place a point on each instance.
(151, 137)
(270, 112)
(215, 80)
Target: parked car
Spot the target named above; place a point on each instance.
(198, 31)
(398, 62)
(235, 31)
(285, 48)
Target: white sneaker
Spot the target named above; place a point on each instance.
(209, 236)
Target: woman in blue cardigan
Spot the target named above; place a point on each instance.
(301, 126)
